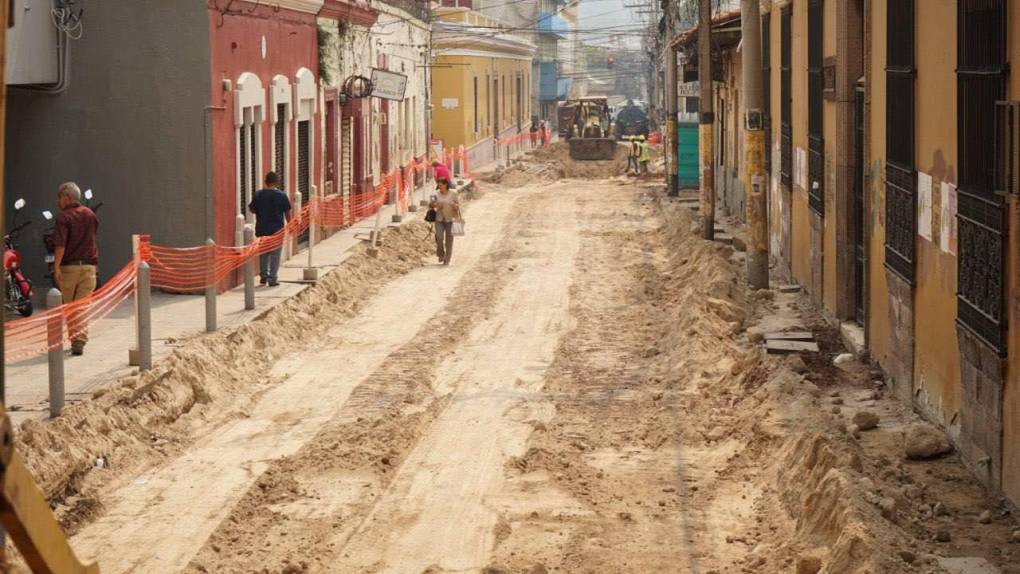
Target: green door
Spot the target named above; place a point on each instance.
(687, 155)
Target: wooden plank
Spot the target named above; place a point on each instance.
(789, 288)
(791, 336)
(780, 347)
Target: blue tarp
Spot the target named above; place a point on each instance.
(550, 23)
(563, 88)
(548, 87)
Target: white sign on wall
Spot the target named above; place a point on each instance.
(924, 205)
(388, 85)
(688, 90)
(450, 103)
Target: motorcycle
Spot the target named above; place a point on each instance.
(49, 242)
(19, 288)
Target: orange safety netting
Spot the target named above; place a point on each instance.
(193, 269)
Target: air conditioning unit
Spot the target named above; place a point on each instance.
(32, 44)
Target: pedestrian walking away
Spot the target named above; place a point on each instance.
(75, 258)
(440, 170)
(272, 210)
(447, 206)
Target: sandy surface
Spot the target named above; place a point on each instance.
(580, 391)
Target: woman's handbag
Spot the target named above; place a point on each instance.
(457, 229)
(430, 215)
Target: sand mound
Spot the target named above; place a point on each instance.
(553, 163)
(142, 419)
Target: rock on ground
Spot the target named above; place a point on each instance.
(922, 441)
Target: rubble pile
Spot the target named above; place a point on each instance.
(553, 163)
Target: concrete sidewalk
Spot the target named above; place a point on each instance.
(175, 319)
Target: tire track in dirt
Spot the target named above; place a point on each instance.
(182, 502)
(441, 510)
(302, 509)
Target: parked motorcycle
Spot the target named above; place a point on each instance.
(19, 288)
(49, 242)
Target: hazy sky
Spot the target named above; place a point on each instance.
(600, 17)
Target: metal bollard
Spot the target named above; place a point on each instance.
(55, 339)
(210, 288)
(289, 242)
(310, 272)
(144, 317)
(249, 270)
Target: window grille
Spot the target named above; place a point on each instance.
(303, 160)
(242, 170)
(900, 173)
(816, 140)
(785, 128)
(280, 144)
(981, 83)
(1007, 148)
(253, 150)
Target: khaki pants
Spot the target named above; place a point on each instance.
(77, 282)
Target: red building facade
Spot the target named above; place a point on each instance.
(265, 107)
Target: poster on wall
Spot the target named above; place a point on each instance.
(800, 168)
(924, 205)
(947, 238)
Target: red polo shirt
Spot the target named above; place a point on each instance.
(76, 233)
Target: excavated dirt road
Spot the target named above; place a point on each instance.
(578, 392)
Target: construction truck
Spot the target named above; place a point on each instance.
(591, 136)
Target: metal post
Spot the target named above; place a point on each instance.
(398, 182)
(55, 339)
(373, 249)
(210, 286)
(249, 270)
(143, 293)
(133, 353)
(706, 120)
(754, 149)
(672, 103)
(311, 273)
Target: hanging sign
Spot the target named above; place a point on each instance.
(388, 85)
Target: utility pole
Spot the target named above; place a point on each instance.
(754, 148)
(706, 119)
(671, 103)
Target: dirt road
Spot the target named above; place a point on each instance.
(578, 392)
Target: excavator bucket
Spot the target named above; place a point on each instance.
(588, 149)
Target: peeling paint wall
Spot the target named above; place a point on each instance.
(937, 356)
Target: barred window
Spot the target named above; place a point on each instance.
(785, 95)
(901, 177)
(981, 84)
(816, 139)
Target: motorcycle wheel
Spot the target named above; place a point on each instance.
(25, 308)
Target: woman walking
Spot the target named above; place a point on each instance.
(447, 208)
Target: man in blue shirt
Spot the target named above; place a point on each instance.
(271, 207)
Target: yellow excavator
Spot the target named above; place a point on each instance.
(591, 136)
(24, 512)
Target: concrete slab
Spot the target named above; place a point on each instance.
(791, 336)
(853, 337)
(780, 347)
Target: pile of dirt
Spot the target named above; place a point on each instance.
(553, 163)
(143, 419)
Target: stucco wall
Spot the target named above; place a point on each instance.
(801, 232)
(129, 126)
(937, 363)
(291, 43)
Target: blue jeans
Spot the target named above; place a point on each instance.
(632, 163)
(269, 265)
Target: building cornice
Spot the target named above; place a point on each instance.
(308, 6)
(348, 11)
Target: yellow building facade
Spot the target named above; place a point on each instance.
(481, 83)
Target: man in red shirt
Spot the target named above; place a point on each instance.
(75, 258)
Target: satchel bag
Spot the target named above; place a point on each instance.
(430, 215)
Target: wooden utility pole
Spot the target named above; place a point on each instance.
(672, 160)
(706, 118)
(754, 148)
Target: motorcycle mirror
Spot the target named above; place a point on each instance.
(88, 194)
(19, 203)
(47, 215)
